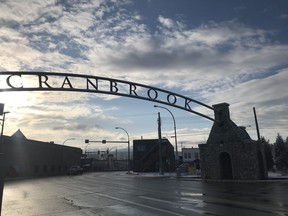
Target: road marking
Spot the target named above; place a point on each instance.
(138, 204)
(172, 203)
(143, 205)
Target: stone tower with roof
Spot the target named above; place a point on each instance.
(230, 153)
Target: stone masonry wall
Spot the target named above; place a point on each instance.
(227, 137)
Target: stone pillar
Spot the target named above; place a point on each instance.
(221, 112)
(230, 153)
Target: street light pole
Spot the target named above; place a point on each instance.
(128, 147)
(175, 134)
(67, 140)
(62, 157)
(85, 150)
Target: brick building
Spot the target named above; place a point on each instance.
(146, 155)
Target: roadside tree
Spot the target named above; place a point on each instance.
(268, 153)
(281, 153)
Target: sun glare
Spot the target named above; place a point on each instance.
(15, 99)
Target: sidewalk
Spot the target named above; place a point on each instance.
(171, 175)
(272, 177)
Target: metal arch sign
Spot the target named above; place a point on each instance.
(51, 81)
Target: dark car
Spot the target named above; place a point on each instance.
(75, 170)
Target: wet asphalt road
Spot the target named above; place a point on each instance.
(116, 193)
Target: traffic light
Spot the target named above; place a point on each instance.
(104, 141)
(86, 140)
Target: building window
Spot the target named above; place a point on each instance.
(185, 155)
(44, 168)
(196, 155)
(189, 155)
(52, 168)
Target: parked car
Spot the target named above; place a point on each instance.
(75, 170)
(183, 168)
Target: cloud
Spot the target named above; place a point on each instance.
(284, 16)
(214, 62)
(265, 91)
(22, 12)
(73, 37)
(266, 94)
(166, 22)
(76, 127)
(198, 58)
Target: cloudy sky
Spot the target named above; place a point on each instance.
(212, 51)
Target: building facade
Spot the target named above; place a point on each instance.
(190, 154)
(146, 155)
(27, 158)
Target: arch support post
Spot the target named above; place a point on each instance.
(230, 150)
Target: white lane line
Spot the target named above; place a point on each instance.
(139, 204)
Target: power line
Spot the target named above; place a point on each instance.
(135, 115)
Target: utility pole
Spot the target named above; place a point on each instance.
(2, 174)
(263, 166)
(160, 144)
(175, 134)
(256, 122)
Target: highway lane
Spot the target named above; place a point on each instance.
(117, 193)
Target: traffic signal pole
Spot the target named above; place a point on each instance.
(105, 141)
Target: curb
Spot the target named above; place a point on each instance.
(195, 178)
(265, 181)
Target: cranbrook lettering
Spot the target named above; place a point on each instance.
(95, 86)
(133, 89)
(173, 100)
(187, 106)
(43, 81)
(15, 81)
(67, 82)
(113, 87)
(155, 94)
(9, 83)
